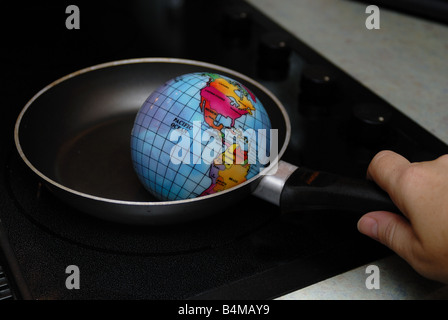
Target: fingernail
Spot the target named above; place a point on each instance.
(369, 227)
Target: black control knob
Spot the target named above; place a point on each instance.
(318, 84)
(238, 24)
(318, 90)
(274, 53)
(274, 48)
(370, 123)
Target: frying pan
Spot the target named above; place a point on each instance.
(75, 135)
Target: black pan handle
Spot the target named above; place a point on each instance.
(307, 189)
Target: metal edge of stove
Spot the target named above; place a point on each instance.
(12, 283)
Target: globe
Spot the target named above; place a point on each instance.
(199, 134)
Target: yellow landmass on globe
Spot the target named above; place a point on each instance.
(228, 174)
(233, 155)
(231, 176)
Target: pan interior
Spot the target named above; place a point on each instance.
(97, 161)
(77, 133)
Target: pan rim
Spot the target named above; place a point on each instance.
(52, 182)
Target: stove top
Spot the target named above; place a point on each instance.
(254, 252)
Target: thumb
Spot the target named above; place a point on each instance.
(390, 229)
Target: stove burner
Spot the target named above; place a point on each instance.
(42, 208)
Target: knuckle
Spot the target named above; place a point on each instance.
(413, 175)
(395, 237)
(388, 236)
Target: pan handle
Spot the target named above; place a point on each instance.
(305, 189)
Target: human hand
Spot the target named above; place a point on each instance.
(420, 191)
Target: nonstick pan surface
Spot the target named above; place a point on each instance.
(75, 135)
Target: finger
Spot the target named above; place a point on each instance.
(392, 230)
(385, 169)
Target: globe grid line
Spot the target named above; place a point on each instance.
(186, 105)
(158, 186)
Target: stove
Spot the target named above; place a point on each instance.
(254, 252)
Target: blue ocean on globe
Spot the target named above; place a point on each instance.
(179, 143)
